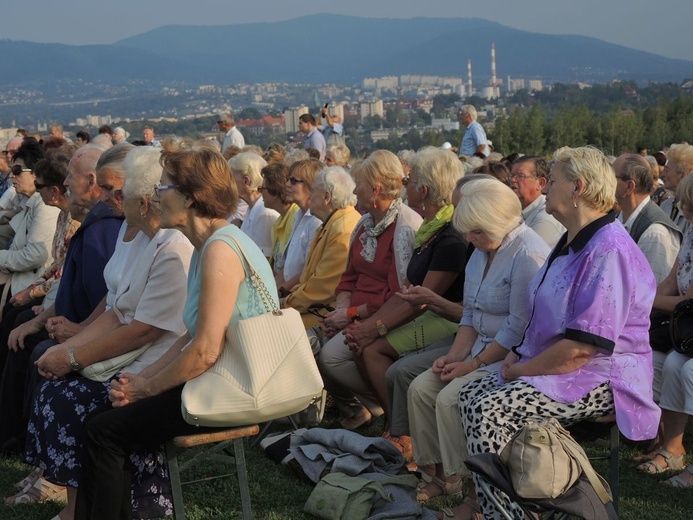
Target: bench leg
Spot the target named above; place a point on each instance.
(242, 478)
(176, 487)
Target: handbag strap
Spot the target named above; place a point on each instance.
(256, 279)
(576, 451)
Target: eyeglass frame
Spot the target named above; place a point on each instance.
(158, 188)
(294, 181)
(21, 169)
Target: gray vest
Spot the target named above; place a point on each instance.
(652, 214)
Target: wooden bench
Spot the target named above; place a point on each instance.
(223, 440)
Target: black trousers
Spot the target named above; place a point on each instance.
(110, 435)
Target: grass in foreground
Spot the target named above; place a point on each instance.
(278, 494)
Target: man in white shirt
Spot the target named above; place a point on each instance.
(655, 233)
(233, 137)
(527, 179)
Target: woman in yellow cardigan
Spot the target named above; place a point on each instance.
(332, 201)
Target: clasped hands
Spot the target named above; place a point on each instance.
(126, 389)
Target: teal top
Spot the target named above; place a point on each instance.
(248, 302)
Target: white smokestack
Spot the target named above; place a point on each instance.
(469, 77)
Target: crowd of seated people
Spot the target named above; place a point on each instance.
(437, 290)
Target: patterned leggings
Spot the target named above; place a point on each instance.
(493, 413)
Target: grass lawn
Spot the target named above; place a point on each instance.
(278, 494)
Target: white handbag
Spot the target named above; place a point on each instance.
(266, 370)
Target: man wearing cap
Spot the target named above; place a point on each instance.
(233, 136)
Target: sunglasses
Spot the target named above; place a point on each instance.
(39, 186)
(317, 307)
(17, 170)
(294, 181)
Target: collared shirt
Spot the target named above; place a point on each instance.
(258, 225)
(315, 139)
(658, 243)
(597, 290)
(474, 137)
(547, 227)
(233, 137)
(496, 305)
(305, 225)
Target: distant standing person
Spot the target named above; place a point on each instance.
(474, 139)
(333, 131)
(313, 138)
(233, 137)
(148, 137)
(82, 138)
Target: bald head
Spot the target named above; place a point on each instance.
(83, 190)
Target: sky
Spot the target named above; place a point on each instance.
(662, 27)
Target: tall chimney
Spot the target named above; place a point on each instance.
(469, 77)
(493, 70)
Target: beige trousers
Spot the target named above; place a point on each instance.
(435, 422)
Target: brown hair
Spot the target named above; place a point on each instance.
(201, 174)
(275, 178)
(307, 169)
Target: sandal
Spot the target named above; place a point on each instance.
(29, 479)
(672, 463)
(449, 514)
(679, 482)
(37, 493)
(436, 487)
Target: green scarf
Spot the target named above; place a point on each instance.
(430, 227)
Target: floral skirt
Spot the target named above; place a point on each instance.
(54, 443)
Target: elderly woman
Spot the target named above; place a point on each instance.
(677, 396)
(679, 165)
(585, 351)
(196, 193)
(507, 255)
(246, 169)
(273, 191)
(332, 201)
(338, 155)
(143, 310)
(437, 264)
(298, 189)
(34, 224)
(381, 248)
(50, 175)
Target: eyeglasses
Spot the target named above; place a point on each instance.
(623, 178)
(18, 169)
(294, 181)
(158, 188)
(39, 186)
(520, 176)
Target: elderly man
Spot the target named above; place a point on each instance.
(474, 140)
(81, 289)
(333, 131)
(313, 138)
(233, 137)
(148, 137)
(654, 232)
(527, 179)
(679, 164)
(57, 131)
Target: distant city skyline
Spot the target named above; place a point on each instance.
(660, 28)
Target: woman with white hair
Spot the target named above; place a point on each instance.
(585, 352)
(144, 308)
(332, 201)
(507, 255)
(246, 168)
(120, 135)
(338, 155)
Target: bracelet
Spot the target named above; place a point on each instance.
(381, 328)
(353, 313)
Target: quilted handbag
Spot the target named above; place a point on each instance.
(266, 370)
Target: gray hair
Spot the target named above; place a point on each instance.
(406, 156)
(227, 118)
(249, 164)
(636, 169)
(113, 158)
(590, 165)
(119, 130)
(142, 171)
(469, 110)
(488, 205)
(253, 148)
(439, 170)
(336, 181)
(341, 154)
(102, 140)
(472, 164)
(294, 155)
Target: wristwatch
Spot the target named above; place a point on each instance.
(479, 363)
(381, 328)
(73, 362)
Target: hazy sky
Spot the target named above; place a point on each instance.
(661, 26)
